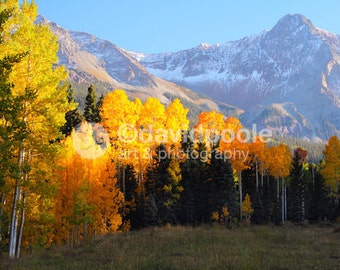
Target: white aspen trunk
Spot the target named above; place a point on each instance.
(13, 238)
(14, 219)
(23, 212)
(21, 228)
(14, 223)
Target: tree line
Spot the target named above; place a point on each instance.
(270, 184)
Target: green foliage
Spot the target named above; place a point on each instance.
(73, 117)
(82, 208)
(319, 206)
(163, 185)
(222, 192)
(297, 187)
(194, 205)
(92, 107)
(13, 128)
(131, 211)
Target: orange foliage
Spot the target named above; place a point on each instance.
(210, 125)
(89, 200)
(234, 141)
(331, 168)
(279, 160)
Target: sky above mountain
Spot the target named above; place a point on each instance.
(171, 25)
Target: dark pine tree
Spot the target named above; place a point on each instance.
(258, 216)
(195, 174)
(297, 188)
(222, 192)
(269, 198)
(131, 212)
(73, 117)
(90, 110)
(99, 105)
(163, 185)
(320, 203)
(187, 199)
(150, 211)
(200, 174)
(249, 187)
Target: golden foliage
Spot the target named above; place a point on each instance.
(331, 167)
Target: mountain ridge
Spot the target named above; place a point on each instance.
(91, 60)
(294, 62)
(286, 78)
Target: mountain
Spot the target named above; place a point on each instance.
(91, 60)
(286, 79)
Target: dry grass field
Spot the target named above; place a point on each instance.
(206, 247)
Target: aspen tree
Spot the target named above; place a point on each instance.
(38, 81)
(331, 169)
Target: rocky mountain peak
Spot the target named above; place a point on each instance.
(292, 24)
(294, 65)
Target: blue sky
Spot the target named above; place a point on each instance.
(152, 26)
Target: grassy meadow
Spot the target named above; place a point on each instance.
(206, 247)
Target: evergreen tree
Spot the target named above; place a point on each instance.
(222, 191)
(99, 105)
(195, 175)
(90, 110)
(150, 211)
(249, 186)
(187, 200)
(200, 182)
(297, 188)
(319, 207)
(269, 198)
(73, 117)
(258, 216)
(130, 213)
(163, 185)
